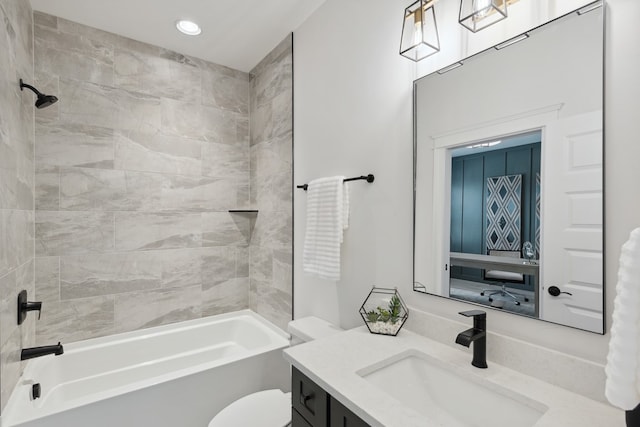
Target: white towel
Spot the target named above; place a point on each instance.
(327, 217)
(623, 362)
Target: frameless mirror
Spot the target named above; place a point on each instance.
(508, 205)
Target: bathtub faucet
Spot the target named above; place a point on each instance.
(30, 353)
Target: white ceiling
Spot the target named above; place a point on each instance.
(235, 33)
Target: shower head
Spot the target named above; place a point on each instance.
(43, 100)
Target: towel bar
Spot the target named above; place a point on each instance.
(369, 178)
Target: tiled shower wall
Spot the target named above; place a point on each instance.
(271, 184)
(136, 167)
(16, 187)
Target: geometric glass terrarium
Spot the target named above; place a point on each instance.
(384, 312)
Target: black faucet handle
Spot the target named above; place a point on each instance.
(474, 313)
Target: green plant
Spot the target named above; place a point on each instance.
(372, 316)
(385, 315)
(394, 308)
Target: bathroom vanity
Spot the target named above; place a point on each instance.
(312, 406)
(410, 380)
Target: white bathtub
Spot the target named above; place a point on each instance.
(177, 375)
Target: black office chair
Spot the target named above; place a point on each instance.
(504, 277)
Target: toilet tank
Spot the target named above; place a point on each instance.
(309, 329)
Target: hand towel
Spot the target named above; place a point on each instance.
(327, 217)
(623, 361)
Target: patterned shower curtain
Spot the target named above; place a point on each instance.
(504, 218)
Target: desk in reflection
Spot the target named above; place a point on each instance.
(492, 262)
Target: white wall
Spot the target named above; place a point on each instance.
(352, 112)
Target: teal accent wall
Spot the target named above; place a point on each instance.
(468, 198)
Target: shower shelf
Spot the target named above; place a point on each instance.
(250, 211)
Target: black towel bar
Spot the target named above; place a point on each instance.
(369, 178)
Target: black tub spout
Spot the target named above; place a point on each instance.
(30, 353)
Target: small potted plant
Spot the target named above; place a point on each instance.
(384, 312)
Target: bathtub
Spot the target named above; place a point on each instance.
(177, 375)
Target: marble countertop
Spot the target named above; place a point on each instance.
(333, 362)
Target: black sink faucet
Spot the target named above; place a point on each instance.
(30, 353)
(476, 335)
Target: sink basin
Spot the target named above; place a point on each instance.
(447, 398)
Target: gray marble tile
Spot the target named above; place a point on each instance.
(211, 68)
(73, 57)
(282, 115)
(65, 233)
(107, 274)
(274, 79)
(98, 105)
(47, 278)
(225, 92)
(146, 231)
(16, 239)
(242, 130)
(282, 271)
(47, 187)
(273, 229)
(158, 153)
(272, 156)
(75, 320)
(226, 296)
(253, 294)
(180, 267)
(8, 175)
(218, 264)
(274, 305)
(25, 183)
(226, 229)
(10, 366)
(225, 160)
(25, 280)
(8, 306)
(283, 48)
(199, 121)
(261, 264)
(166, 76)
(44, 20)
(243, 255)
(261, 124)
(140, 310)
(68, 144)
(273, 192)
(100, 189)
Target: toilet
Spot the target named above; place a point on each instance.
(272, 408)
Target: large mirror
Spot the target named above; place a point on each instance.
(508, 209)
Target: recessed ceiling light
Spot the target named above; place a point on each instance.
(188, 27)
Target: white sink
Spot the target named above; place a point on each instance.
(446, 397)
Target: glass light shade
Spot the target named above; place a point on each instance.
(476, 15)
(419, 31)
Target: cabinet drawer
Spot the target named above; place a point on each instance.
(341, 416)
(309, 399)
(297, 420)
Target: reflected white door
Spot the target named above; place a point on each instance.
(572, 238)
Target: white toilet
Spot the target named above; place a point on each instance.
(272, 408)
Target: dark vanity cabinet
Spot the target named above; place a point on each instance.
(314, 407)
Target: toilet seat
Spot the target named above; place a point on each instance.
(268, 408)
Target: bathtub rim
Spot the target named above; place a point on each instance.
(12, 416)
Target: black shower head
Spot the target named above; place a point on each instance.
(43, 100)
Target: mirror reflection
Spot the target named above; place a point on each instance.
(508, 206)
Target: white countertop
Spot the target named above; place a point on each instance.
(332, 362)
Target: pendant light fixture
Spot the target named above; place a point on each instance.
(476, 15)
(419, 31)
